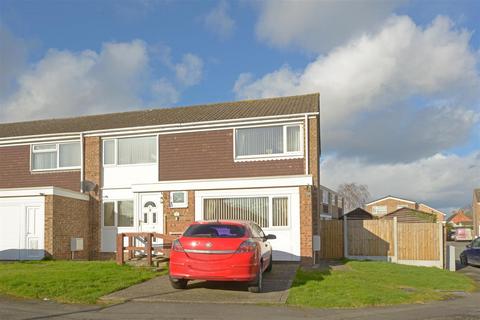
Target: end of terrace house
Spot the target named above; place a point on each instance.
(89, 178)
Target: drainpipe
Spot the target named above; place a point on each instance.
(81, 162)
(307, 147)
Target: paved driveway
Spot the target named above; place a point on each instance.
(276, 285)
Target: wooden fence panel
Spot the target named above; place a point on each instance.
(418, 241)
(331, 239)
(370, 238)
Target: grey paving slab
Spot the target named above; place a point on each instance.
(276, 285)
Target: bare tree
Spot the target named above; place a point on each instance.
(354, 195)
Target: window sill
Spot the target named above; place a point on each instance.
(179, 206)
(55, 170)
(269, 158)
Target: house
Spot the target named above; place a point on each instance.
(460, 219)
(69, 186)
(358, 214)
(409, 215)
(388, 204)
(332, 204)
(476, 212)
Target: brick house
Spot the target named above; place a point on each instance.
(88, 178)
(386, 205)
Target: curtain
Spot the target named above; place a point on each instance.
(108, 214)
(293, 138)
(109, 152)
(259, 141)
(137, 150)
(280, 212)
(125, 213)
(44, 160)
(69, 154)
(251, 209)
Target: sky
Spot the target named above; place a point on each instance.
(399, 81)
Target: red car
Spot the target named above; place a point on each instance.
(221, 251)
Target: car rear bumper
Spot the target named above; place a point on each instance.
(237, 268)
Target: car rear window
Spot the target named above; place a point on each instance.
(215, 231)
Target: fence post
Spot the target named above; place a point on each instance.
(345, 236)
(149, 249)
(441, 244)
(395, 240)
(120, 259)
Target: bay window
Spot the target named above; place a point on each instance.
(268, 141)
(126, 151)
(55, 156)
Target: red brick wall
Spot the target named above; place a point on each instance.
(15, 172)
(187, 215)
(66, 218)
(209, 155)
(306, 224)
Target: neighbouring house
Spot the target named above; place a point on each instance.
(358, 214)
(73, 184)
(332, 204)
(476, 211)
(411, 216)
(460, 219)
(388, 204)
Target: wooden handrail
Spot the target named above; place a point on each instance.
(148, 248)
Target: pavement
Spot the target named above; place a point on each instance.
(276, 284)
(465, 308)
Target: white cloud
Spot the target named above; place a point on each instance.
(441, 181)
(219, 21)
(119, 77)
(65, 83)
(189, 71)
(319, 25)
(165, 92)
(378, 77)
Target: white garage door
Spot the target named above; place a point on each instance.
(21, 228)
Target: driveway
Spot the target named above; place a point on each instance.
(276, 285)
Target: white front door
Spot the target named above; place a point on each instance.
(151, 212)
(33, 233)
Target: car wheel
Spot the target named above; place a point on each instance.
(270, 265)
(178, 283)
(257, 286)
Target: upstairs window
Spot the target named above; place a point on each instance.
(271, 141)
(56, 156)
(127, 151)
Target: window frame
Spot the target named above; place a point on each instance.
(115, 212)
(115, 156)
(57, 154)
(270, 207)
(273, 156)
(183, 204)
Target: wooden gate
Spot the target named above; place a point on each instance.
(331, 239)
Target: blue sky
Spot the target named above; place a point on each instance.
(399, 80)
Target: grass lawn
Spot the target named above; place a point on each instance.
(67, 281)
(369, 283)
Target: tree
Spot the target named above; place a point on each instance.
(354, 195)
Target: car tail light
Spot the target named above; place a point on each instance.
(247, 246)
(177, 246)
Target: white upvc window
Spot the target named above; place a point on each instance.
(400, 206)
(275, 141)
(269, 211)
(55, 156)
(118, 213)
(379, 210)
(131, 150)
(179, 199)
